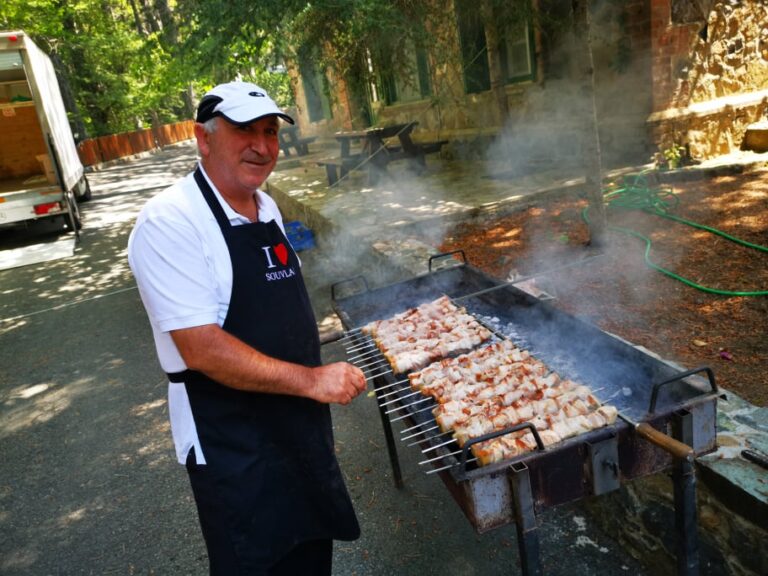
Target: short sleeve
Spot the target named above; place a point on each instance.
(173, 269)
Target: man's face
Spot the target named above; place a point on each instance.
(239, 158)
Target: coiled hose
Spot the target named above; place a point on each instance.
(635, 193)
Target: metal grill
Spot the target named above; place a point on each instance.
(667, 415)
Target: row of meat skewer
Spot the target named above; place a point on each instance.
(476, 386)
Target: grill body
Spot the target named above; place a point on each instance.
(618, 372)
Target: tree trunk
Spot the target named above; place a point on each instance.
(171, 31)
(495, 70)
(151, 19)
(188, 96)
(138, 24)
(585, 77)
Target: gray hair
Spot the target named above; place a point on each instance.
(210, 125)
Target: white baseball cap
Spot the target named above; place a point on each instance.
(240, 103)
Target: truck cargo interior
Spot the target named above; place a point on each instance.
(41, 175)
(24, 159)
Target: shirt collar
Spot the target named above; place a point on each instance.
(232, 215)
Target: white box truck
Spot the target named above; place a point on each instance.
(41, 175)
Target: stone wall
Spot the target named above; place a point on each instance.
(710, 73)
(641, 515)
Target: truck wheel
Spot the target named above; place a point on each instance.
(84, 187)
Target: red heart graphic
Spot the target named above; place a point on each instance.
(282, 253)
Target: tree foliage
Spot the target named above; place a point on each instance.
(132, 63)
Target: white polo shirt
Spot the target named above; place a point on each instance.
(182, 267)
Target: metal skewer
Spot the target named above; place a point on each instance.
(473, 459)
(416, 442)
(416, 412)
(377, 375)
(432, 437)
(405, 406)
(372, 363)
(364, 355)
(348, 337)
(436, 446)
(416, 426)
(403, 389)
(353, 331)
(439, 457)
(388, 402)
(361, 346)
(418, 434)
(390, 385)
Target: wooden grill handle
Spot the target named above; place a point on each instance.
(667, 443)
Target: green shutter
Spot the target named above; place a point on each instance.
(425, 86)
(474, 52)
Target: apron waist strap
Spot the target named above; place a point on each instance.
(183, 376)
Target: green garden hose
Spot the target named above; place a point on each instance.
(636, 194)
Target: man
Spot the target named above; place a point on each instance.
(235, 332)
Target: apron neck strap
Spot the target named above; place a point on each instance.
(210, 198)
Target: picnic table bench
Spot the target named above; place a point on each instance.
(337, 168)
(376, 153)
(290, 139)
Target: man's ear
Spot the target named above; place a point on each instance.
(202, 139)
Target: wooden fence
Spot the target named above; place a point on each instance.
(106, 148)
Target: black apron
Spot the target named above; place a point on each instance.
(269, 457)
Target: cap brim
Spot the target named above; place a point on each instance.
(248, 121)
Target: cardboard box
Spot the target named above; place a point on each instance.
(50, 173)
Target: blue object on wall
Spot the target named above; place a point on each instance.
(299, 235)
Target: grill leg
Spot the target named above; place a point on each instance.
(684, 479)
(525, 519)
(394, 461)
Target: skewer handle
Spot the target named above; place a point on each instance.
(665, 442)
(755, 457)
(680, 376)
(444, 255)
(495, 434)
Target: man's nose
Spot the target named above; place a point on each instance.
(260, 144)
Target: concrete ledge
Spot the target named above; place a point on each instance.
(741, 485)
(715, 106)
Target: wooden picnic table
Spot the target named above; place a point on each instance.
(290, 138)
(377, 149)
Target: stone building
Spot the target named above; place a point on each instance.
(669, 76)
(710, 73)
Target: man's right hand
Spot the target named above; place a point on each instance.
(337, 383)
(231, 362)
